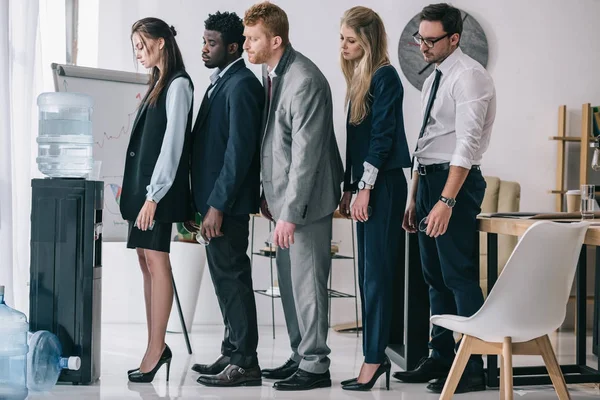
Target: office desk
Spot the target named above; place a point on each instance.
(575, 373)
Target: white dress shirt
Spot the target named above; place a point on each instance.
(178, 104)
(463, 112)
(219, 74)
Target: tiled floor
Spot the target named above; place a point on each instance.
(122, 346)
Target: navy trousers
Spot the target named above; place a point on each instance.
(451, 261)
(380, 243)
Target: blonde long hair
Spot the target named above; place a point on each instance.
(371, 36)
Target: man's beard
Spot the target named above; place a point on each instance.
(261, 57)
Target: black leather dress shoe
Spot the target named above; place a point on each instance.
(427, 369)
(283, 372)
(212, 369)
(233, 376)
(468, 383)
(303, 380)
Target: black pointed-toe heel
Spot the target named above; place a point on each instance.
(132, 370)
(138, 376)
(384, 367)
(349, 381)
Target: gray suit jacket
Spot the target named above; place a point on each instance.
(301, 165)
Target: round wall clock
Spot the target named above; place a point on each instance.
(472, 42)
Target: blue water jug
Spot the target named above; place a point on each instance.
(13, 352)
(45, 361)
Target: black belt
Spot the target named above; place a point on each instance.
(429, 169)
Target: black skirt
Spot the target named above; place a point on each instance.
(158, 239)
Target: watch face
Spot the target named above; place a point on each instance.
(472, 42)
(361, 185)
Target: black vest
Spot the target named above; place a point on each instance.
(144, 148)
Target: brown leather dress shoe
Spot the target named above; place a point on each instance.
(212, 369)
(233, 376)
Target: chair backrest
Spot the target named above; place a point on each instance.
(500, 196)
(532, 291)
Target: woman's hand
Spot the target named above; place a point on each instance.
(360, 208)
(146, 215)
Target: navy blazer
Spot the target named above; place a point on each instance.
(379, 139)
(225, 166)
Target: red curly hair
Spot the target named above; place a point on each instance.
(273, 18)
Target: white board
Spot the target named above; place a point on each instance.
(116, 95)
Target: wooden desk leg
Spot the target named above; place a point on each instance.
(581, 317)
(492, 273)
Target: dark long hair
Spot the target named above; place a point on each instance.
(172, 61)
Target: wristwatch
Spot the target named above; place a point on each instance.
(448, 201)
(364, 185)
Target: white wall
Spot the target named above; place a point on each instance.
(543, 53)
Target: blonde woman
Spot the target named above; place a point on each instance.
(376, 152)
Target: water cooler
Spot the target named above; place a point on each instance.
(66, 269)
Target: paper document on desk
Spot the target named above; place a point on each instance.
(537, 215)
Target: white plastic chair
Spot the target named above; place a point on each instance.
(528, 301)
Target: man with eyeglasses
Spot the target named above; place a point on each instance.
(459, 107)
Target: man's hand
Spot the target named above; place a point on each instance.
(360, 208)
(345, 204)
(146, 215)
(264, 208)
(211, 224)
(438, 220)
(409, 223)
(283, 236)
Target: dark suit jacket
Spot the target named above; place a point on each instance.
(145, 145)
(379, 139)
(226, 145)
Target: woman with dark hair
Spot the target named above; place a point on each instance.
(376, 153)
(156, 190)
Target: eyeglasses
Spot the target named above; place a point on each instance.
(428, 42)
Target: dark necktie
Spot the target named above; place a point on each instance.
(432, 93)
(269, 90)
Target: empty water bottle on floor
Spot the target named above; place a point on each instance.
(45, 361)
(13, 352)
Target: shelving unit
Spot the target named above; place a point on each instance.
(333, 294)
(562, 139)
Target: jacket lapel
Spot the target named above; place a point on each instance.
(280, 70)
(142, 110)
(220, 82)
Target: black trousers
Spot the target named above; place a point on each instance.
(451, 261)
(380, 243)
(231, 274)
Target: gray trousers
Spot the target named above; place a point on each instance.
(303, 270)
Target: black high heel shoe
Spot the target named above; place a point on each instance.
(138, 376)
(132, 370)
(385, 366)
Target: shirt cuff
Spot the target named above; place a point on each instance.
(151, 197)
(460, 161)
(369, 174)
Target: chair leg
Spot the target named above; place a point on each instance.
(502, 390)
(507, 366)
(460, 362)
(558, 380)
